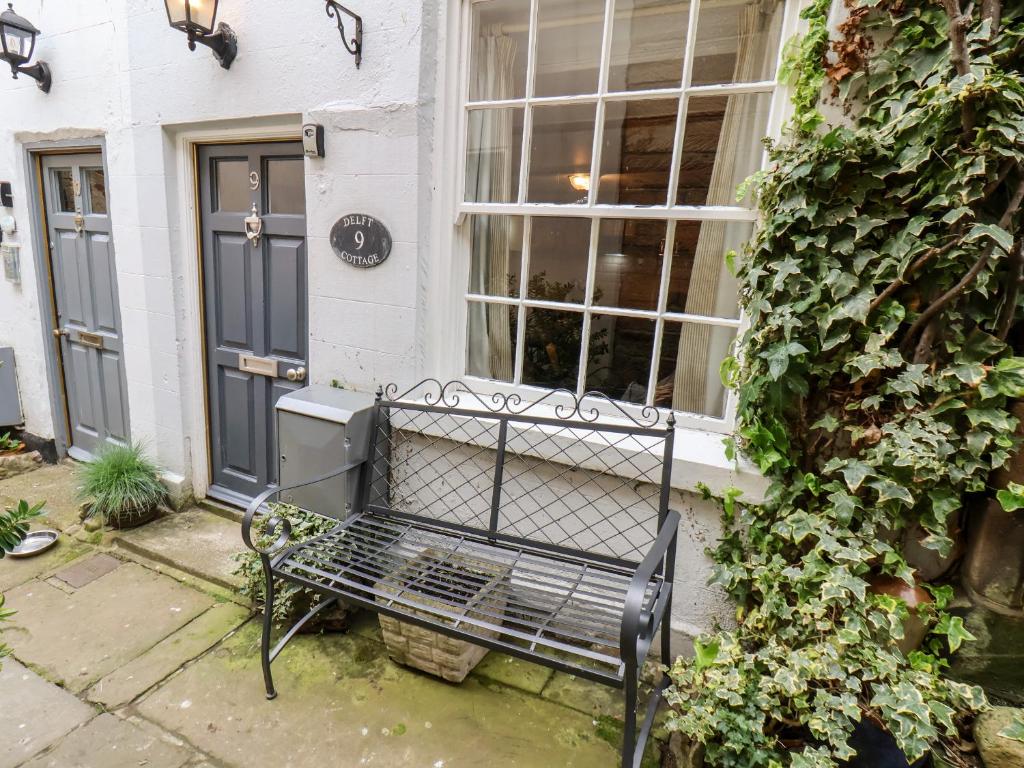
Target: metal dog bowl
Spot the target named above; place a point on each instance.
(35, 543)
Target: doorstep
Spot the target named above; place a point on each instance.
(196, 541)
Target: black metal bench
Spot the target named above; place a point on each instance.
(571, 506)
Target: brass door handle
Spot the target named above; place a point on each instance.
(58, 332)
(296, 374)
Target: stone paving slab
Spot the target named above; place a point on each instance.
(195, 541)
(16, 570)
(80, 637)
(513, 672)
(137, 676)
(109, 742)
(54, 483)
(87, 569)
(339, 695)
(33, 713)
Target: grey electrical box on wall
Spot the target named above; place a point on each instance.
(320, 429)
(10, 404)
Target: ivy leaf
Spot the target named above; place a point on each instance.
(778, 357)
(1012, 497)
(1014, 730)
(888, 491)
(997, 234)
(856, 472)
(705, 653)
(954, 630)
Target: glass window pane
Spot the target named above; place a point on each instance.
(65, 184)
(95, 184)
(721, 147)
(648, 39)
(619, 357)
(568, 46)
(636, 156)
(737, 42)
(285, 182)
(700, 282)
(562, 145)
(491, 349)
(232, 182)
(558, 258)
(629, 255)
(497, 255)
(492, 155)
(500, 48)
(552, 351)
(688, 377)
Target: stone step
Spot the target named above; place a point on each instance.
(221, 509)
(196, 541)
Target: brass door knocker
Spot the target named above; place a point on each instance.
(254, 227)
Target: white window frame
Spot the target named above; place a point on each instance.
(450, 343)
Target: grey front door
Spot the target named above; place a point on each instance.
(88, 321)
(254, 303)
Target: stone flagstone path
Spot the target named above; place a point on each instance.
(131, 650)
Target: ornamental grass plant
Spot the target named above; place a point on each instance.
(121, 486)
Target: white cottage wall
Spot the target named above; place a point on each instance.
(122, 76)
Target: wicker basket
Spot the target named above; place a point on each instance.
(433, 652)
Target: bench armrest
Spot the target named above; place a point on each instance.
(275, 523)
(637, 623)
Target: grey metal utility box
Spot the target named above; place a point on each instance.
(10, 404)
(320, 428)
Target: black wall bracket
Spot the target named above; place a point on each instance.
(355, 45)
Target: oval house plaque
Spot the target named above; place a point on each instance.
(361, 240)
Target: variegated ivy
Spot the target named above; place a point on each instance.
(883, 291)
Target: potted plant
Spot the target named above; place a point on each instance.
(14, 459)
(121, 487)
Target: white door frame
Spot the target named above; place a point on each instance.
(193, 366)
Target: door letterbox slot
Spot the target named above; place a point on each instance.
(87, 339)
(264, 366)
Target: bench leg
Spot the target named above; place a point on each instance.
(268, 625)
(629, 731)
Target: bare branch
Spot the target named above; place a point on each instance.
(937, 306)
(1008, 312)
(919, 262)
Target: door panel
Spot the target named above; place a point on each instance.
(85, 289)
(255, 303)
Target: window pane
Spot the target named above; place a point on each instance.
(500, 47)
(552, 353)
(629, 254)
(736, 42)
(558, 258)
(700, 283)
(493, 152)
(619, 358)
(721, 147)
(95, 184)
(688, 377)
(492, 340)
(65, 189)
(636, 156)
(563, 141)
(497, 255)
(286, 188)
(568, 46)
(648, 38)
(232, 178)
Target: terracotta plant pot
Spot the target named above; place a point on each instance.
(914, 630)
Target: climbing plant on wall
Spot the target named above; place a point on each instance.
(883, 293)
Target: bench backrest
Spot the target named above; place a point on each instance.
(557, 474)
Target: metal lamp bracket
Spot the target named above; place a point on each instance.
(355, 45)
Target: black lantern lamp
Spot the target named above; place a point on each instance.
(18, 39)
(196, 18)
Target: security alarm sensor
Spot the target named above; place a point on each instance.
(6, 195)
(313, 140)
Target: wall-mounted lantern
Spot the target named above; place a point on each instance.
(196, 19)
(18, 39)
(355, 46)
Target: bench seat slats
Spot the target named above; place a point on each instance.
(565, 609)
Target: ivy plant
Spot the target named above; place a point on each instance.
(876, 380)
